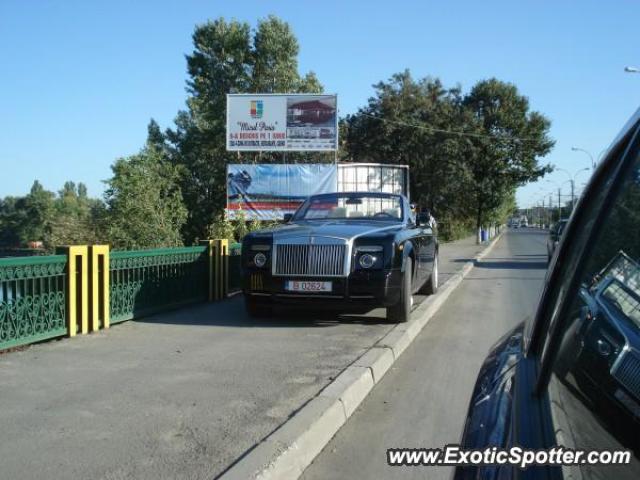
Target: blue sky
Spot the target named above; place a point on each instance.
(80, 80)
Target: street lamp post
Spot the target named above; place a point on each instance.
(572, 179)
(578, 149)
(559, 195)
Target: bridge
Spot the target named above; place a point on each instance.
(155, 371)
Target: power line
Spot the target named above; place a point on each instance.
(451, 132)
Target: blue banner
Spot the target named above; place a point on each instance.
(268, 191)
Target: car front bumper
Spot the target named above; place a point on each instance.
(361, 290)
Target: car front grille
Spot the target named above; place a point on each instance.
(310, 260)
(627, 371)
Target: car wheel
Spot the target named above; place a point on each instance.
(431, 286)
(401, 311)
(569, 352)
(257, 309)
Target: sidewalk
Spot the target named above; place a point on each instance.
(177, 395)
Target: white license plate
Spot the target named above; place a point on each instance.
(304, 286)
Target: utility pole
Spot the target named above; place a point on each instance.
(559, 206)
(572, 194)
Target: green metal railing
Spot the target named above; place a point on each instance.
(32, 299)
(235, 273)
(147, 281)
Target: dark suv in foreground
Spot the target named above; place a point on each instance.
(570, 376)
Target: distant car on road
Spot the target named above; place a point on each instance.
(347, 251)
(554, 237)
(570, 376)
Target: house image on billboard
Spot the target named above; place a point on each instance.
(313, 112)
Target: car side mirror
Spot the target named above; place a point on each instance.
(423, 219)
(288, 217)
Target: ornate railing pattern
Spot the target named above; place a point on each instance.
(32, 299)
(235, 272)
(147, 281)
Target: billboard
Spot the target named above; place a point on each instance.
(268, 191)
(282, 122)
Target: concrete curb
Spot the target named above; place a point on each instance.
(290, 449)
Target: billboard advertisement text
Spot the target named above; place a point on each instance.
(282, 122)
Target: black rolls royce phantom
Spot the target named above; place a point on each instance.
(351, 252)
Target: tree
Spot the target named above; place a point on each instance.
(403, 124)
(510, 140)
(10, 220)
(75, 218)
(145, 208)
(35, 210)
(227, 58)
(467, 153)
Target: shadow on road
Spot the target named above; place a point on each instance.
(510, 264)
(231, 313)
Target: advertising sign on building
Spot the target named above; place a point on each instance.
(268, 191)
(282, 122)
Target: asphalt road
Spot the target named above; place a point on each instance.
(423, 399)
(175, 396)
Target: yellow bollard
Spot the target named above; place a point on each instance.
(99, 283)
(218, 252)
(77, 288)
(224, 268)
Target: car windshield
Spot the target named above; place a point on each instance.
(623, 300)
(352, 207)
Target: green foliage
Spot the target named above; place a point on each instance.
(467, 153)
(42, 217)
(76, 219)
(221, 227)
(145, 208)
(37, 210)
(235, 230)
(12, 215)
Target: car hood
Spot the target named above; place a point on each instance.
(344, 229)
(489, 415)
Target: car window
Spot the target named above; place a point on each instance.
(594, 387)
(352, 207)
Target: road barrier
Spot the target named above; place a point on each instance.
(84, 288)
(32, 299)
(143, 282)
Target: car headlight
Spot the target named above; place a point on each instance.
(260, 260)
(367, 260)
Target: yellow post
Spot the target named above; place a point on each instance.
(211, 263)
(77, 288)
(219, 249)
(224, 274)
(99, 286)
